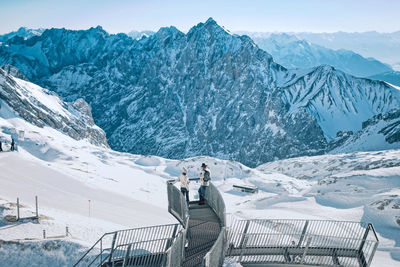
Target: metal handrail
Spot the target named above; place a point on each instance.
(177, 204)
(303, 241)
(216, 255)
(110, 241)
(216, 202)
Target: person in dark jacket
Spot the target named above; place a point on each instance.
(12, 144)
(205, 177)
(1, 146)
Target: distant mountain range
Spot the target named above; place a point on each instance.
(384, 47)
(207, 92)
(22, 32)
(392, 77)
(292, 52)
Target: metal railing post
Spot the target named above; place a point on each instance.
(305, 250)
(303, 234)
(37, 208)
(112, 247)
(126, 258)
(18, 217)
(246, 227)
(242, 248)
(101, 251)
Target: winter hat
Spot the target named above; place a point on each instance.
(203, 165)
(184, 170)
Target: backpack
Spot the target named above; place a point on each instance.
(206, 177)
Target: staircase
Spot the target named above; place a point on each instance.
(201, 239)
(203, 231)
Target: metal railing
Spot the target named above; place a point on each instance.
(114, 246)
(176, 253)
(216, 202)
(311, 242)
(216, 255)
(177, 205)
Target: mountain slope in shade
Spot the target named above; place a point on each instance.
(292, 52)
(338, 101)
(207, 92)
(392, 77)
(40, 107)
(380, 132)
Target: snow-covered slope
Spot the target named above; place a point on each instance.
(292, 52)
(380, 132)
(207, 92)
(338, 101)
(40, 107)
(127, 190)
(22, 32)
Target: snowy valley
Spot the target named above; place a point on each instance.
(66, 167)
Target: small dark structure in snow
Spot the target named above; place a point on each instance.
(246, 188)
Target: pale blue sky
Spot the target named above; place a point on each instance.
(249, 15)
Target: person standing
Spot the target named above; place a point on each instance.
(1, 146)
(184, 180)
(205, 177)
(12, 144)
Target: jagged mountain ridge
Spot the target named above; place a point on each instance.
(392, 77)
(23, 32)
(41, 107)
(180, 95)
(293, 52)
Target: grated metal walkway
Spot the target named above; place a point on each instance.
(203, 231)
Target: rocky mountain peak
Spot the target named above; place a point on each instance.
(207, 92)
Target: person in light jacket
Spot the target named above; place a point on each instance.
(184, 180)
(205, 177)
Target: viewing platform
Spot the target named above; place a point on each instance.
(203, 238)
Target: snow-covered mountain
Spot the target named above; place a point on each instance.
(392, 77)
(385, 47)
(127, 191)
(292, 52)
(380, 132)
(140, 34)
(207, 92)
(337, 100)
(40, 107)
(382, 46)
(23, 33)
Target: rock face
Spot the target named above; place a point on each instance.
(380, 132)
(206, 92)
(44, 108)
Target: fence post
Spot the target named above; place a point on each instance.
(18, 209)
(363, 239)
(126, 259)
(243, 248)
(101, 251)
(112, 247)
(246, 227)
(37, 208)
(305, 250)
(303, 233)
